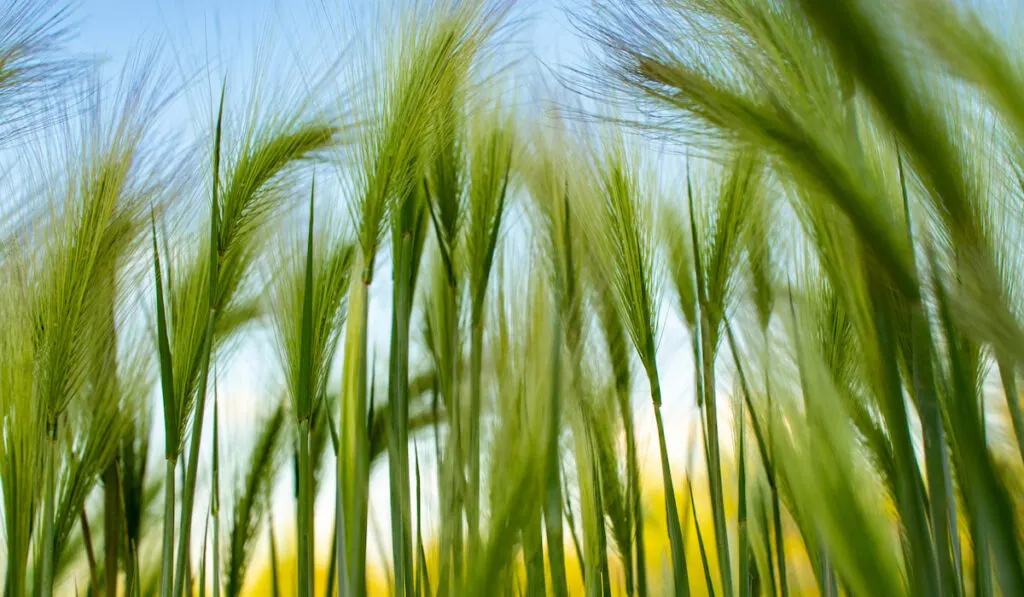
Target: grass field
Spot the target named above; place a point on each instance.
(823, 198)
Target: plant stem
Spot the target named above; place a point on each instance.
(275, 572)
(936, 457)
(90, 554)
(1008, 376)
(700, 544)
(633, 496)
(742, 553)
(452, 469)
(202, 558)
(398, 439)
(422, 577)
(533, 555)
(459, 456)
(602, 536)
(215, 498)
(780, 547)
(473, 492)
(49, 507)
(680, 580)
(553, 487)
(167, 561)
(353, 465)
(189, 490)
(305, 580)
(340, 536)
(332, 565)
(112, 517)
(590, 517)
(714, 454)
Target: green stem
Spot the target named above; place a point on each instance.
(910, 498)
(17, 561)
(398, 439)
(353, 461)
(741, 517)
(275, 577)
(305, 581)
(768, 577)
(112, 517)
(90, 553)
(780, 547)
(473, 493)
(764, 448)
(216, 556)
(167, 561)
(635, 503)
(714, 456)
(215, 499)
(533, 555)
(553, 486)
(602, 536)
(332, 566)
(1008, 376)
(189, 489)
(935, 456)
(983, 581)
(422, 577)
(459, 456)
(680, 577)
(590, 517)
(202, 559)
(700, 545)
(826, 575)
(340, 536)
(49, 507)
(452, 470)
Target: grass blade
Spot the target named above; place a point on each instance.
(700, 543)
(303, 414)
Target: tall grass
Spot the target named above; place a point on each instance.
(818, 201)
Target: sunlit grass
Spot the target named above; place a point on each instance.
(816, 203)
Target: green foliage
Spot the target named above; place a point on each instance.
(854, 161)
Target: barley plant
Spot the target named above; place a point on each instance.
(819, 202)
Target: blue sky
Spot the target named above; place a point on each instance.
(202, 41)
(112, 28)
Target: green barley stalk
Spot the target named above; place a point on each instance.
(202, 558)
(402, 111)
(631, 540)
(275, 568)
(215, 490)
(95, 220)
(618, 215)
(174, 587)
(308, 303)
(490, 167)
(549, 190)
(244, 195)
(303, 414)
(409, 231)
